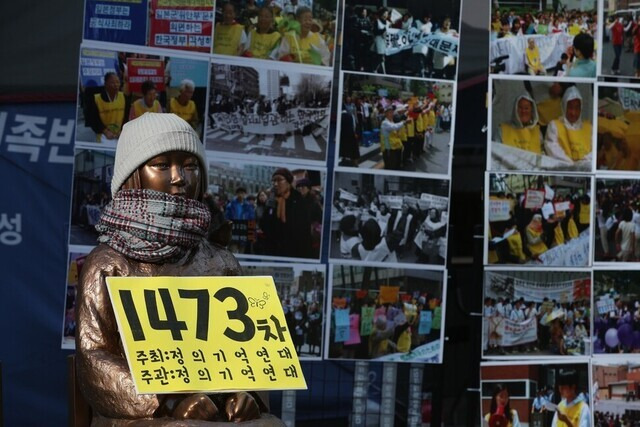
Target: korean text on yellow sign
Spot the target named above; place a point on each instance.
(187, 334)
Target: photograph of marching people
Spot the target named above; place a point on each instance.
(536, 394)
(388, 218)
(296, 31)
(402, 37)
(76, 261)
(385, 314)
(546, 38)
(531, 314)
(271, 212)
(301, 289)
(538, 220)
(618, 125)
(116, 87)
(538, 124)
(620, 40)
(396, 124)
(617, 216)
(274, 112)
(616, 313)
(616, 390)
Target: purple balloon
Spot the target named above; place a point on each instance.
(611, 338)
(625, 334)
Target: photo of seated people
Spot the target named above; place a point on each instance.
(616, 314)
(621, 41)
(297, 31)
(535, 394)
(116, 87)
(541, 125)
(531, 313)
(617, 216)
(256, 209)
(386, 314)
(396, 124)
(618, 128)
(382, 218)
(539, 220)
(615, 392)
(402, 38)
(551, 39)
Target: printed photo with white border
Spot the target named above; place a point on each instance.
(617, 31)
(615, 391)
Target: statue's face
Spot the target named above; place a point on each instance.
(176, 173)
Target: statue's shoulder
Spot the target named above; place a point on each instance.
(219, 260)
(104, 261)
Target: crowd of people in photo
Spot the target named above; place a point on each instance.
(617, 330)
(618, 216)
(304, 322)
(609, 419)
(623, 32)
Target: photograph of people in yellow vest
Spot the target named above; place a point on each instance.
(541, 125)
(539, 220)
(385, 314)
(615, 392)
(536, 393)
(618, 124)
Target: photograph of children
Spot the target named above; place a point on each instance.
(536, 313)
(544, 39)
(296, 31)
(401, 37)
(616, 388)
(620, 40)
(535, 394)
(385, 314)
(541, 125)
(301, 288)
(618, 127)
(616, 314)
(76, 261)
(270, 212)
(92, 173)
(391, 219)
(257, 111)
(617, 214)
(392, 123)
(539, 220)
(116, 87)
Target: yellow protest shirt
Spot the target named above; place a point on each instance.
(572, 229)
(525, 138)
(300, 47)
(536, 248)
(421, 123)
(404, 342)
(411, 129)
(572, 412)
(585, 213)
(111, 113)
(188, 113)
(262, 45)
(493, 255)
(139, 108)
(227, 39)
(432, 118)
(394, 141)
(574, 30)
(549, 109)
(575, 143)
(533, 58)
(617, 128)
(515, 246)
(403, 133)
(558, 236)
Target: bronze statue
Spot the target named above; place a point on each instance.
(156, 225)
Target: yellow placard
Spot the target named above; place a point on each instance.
(204, 334)
(389, 294)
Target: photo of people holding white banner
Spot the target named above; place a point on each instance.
(424, 141)
(538, 220)
(544, 41)
(401, 37)
(385, 314)
(536, 313)
(272, 112)
(541, 125)
(618, 125)
(390, 219)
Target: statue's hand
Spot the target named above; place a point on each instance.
(242, 407)
(196, 407)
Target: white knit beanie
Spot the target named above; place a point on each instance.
(148, 136)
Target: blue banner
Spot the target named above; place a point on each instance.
(116, 21)
(94, 64)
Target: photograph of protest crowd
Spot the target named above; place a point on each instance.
(116, 87)
(273, 112)
(618, 127)
(529, 314)
(616, 314)
(301, 289)
(76, 260)
(296, 31)
(544, 38)
(541, 125)
(616, 389)
(535, 394)
(538, 220)
(271, 212)
(396, 124)
(401, 37)
(620, 37)
(391, 219)
(617, 214)
(385, 314)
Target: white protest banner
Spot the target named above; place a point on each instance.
(270, 123)
(411, 201)
(562, 206)
(605, 304)
(499, 210)
(429, 352)
(392, 202)
(547, 210)
(629, 98)
(551, 48)
(574, 253)
(516, 333)
(395, 15)
(537, 292)
(533, 199)
(548, 192)
(397, 40)
(345, 195)
(438, 202)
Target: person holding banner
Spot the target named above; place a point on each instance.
(535, 241)
(380, 28)
(303, 45)
(183, 106)
(524, 131)
(262, 40)
(573, 410)
(445, 65)
(147, 104)
(229, 36)
(107, 111)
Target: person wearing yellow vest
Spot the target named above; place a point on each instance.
(550, 108)
(523, 131)
(535, 241)
(573, 410)
(148, 103)
(390, 141)
(532, 59)
(262, 41)
(183, 106)
(584, 213)
(229, 37)
(569, 137)
(106, 114)
(305, 47)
